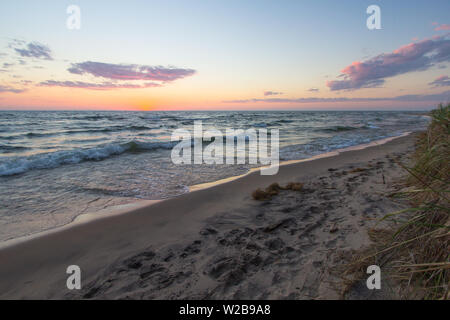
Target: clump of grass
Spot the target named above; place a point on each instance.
(294, 186)
(274, 189)
(260, 195)
(356, 170)
(267, 194)
(417, 253)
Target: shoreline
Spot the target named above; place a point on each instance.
(141, 204)
(36, 268)
(333, 153)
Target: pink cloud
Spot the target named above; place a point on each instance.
(120, 76)
(130, 71)
(442, 81)
(443, 27)
(416, 56)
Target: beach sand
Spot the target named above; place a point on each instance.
(217, 242)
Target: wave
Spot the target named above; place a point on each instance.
(32, 135)
(284, 121)
(91, 118)
(97, 117)
(150, 117)
(274, 123)
(18, 165)
(35, 135)
(8, 137)
(108, 129)
(59, 158)
(260, 125)
(338, 129)
(371, 126)
(10, 149)
(348, 128)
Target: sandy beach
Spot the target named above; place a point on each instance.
(218, 242)
(226, 157)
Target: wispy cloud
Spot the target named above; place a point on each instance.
(96, 86)
(120, 75)
(443, 27)
(371, 73)
(33, 50)
(130, 71)
(444, 96)
(442, 81)
(313, 90)
(272, 93)
(10, 89)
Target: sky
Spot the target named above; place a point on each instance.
(223, 55)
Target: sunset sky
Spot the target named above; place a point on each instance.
(224, 55)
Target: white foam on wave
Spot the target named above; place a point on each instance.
(59, 158)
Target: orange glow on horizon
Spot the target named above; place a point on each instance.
(173, 99)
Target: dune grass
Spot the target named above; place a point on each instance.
(417, 253)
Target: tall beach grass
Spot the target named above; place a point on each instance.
(416, 254)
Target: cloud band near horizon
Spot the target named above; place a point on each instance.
(439, 97)
(10, 89)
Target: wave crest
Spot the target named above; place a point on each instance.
(59, 158)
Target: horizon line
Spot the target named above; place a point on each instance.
(219, 110)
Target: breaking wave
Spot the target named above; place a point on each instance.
(55, 159)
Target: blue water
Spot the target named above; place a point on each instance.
(55, 165)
